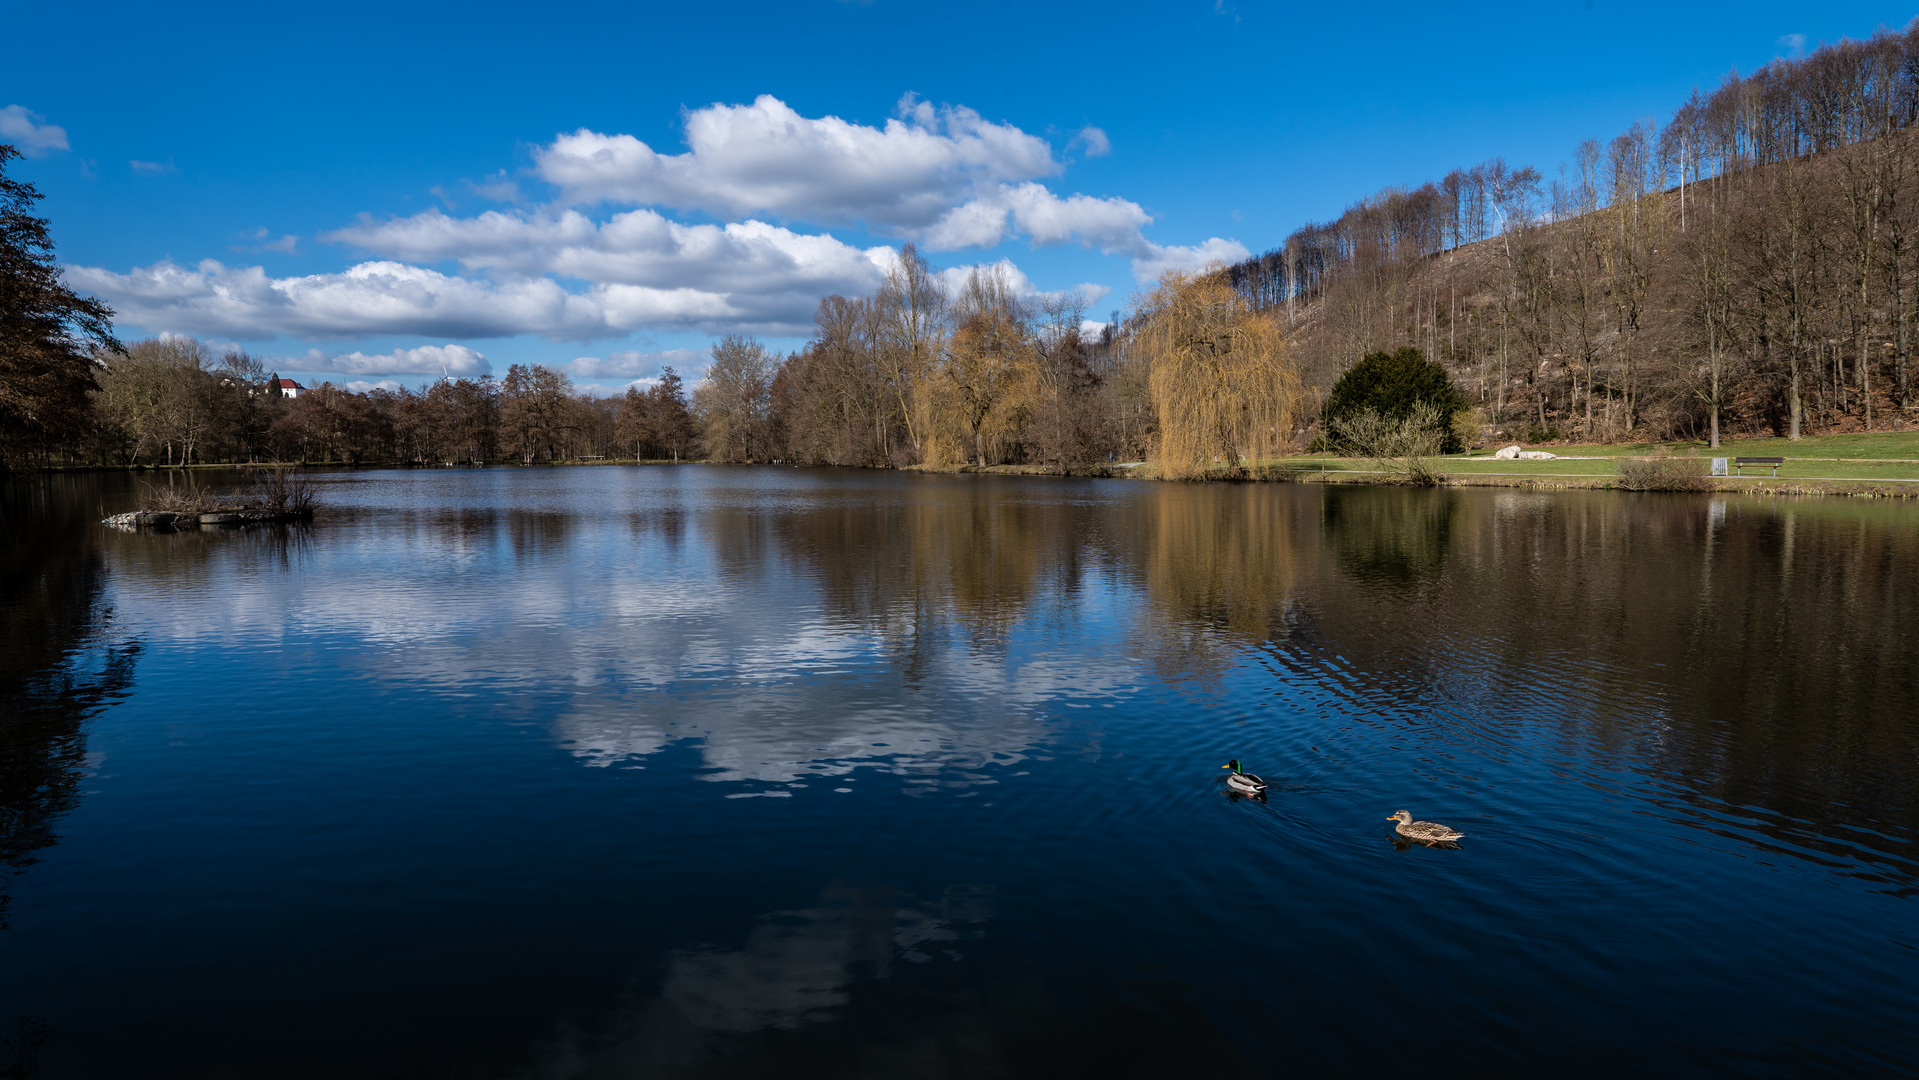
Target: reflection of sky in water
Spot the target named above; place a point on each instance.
(637, 627)
(795, 968)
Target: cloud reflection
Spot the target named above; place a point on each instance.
(795, 969)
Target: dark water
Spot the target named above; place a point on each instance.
(767, 772)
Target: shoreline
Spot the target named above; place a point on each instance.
(1292, 471)
(1891, 488)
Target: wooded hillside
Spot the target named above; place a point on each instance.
(1752, 262)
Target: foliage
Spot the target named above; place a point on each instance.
(1469, 427)
(47, 332)
(1221, 376)
(1402, 444)
(1395, 386)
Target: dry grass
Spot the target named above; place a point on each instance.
(281, 493)
(184, 500)
(285, 493)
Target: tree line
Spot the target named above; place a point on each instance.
(167, 401)
(923, 373)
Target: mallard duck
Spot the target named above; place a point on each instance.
(1426, 832)
(1243, 782)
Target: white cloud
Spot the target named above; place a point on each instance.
(767, 158)
(497, 188)
(1113, 225)
(944, 177)
(395, 298)
(426, 360)
(29, 132)
(638, 248)
(1159, 259)
(361, 386)
(953, 279)
(371, 298)
(152, 168)
(288, 245)
(638, 366)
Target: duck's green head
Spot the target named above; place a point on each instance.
(1233, 765)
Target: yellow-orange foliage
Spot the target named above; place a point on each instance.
(1221, 376)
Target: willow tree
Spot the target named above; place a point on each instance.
(1222, 378)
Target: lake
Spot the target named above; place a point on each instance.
(711, 771)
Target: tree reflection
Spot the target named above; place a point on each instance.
(1390, 537)
(978, 556)
(53, 672)
(1757, 652)
(1220, 566)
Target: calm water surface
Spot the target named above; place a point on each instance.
(707, 771)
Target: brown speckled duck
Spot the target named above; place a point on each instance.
(1426, 832)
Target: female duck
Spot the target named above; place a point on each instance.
(1242, 782)
(1426, 832)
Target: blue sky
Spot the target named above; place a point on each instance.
(368, 192)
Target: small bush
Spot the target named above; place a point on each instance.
(1469, 428)
(1664, 474)
(1404, 445)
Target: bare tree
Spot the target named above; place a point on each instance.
(912, 318)
(734, 404)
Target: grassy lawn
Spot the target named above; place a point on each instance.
(1794, 468)
(1872, 445)
(1867, 456)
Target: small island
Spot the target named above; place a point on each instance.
(278, 495)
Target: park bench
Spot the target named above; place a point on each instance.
(1741, 463)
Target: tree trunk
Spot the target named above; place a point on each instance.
(1792, 402)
